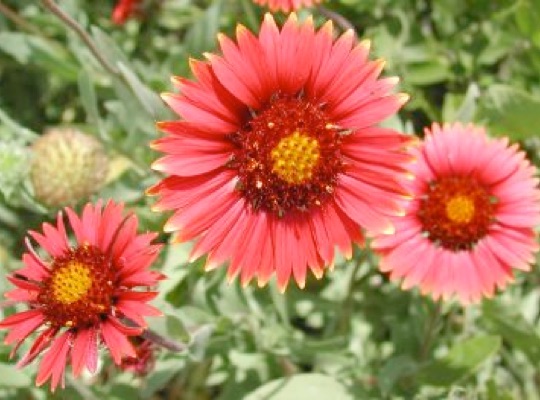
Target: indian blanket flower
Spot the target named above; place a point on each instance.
(476, 201)
(84, 294)
(286, 5)
(277, 159)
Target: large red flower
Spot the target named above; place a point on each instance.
(83, 293)
(286, 5)
(277, 160)
(471, 222)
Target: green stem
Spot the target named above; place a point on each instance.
(344, 319)
(430, 331)
(85, 37)
(164, 342)
(338, 19)
(19, 21)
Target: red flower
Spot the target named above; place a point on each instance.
(144, 360)
(124, 10)
(471, 222)
(82, 292)
(277, 160)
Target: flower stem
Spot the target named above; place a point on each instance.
(85, 37)
(14, 17)
(339, 19)
(430, 331)
(343, 322)
(164, 342)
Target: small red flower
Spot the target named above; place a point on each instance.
(476, 203)
(144, 360)
(124, 10)
(81, 293)
(286, 5)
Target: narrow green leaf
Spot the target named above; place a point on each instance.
(14, 130)
(149, 100)
(302, 386)
(462, 360)
(89, 101)
(16, 45)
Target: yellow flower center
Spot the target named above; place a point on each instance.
(295, 157)
(71, 283)
(460, 209)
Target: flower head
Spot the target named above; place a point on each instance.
(286, 5)
(476, 203)
(67, 166)
(277, 160)
(83, 294)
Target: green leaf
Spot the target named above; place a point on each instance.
(202, 35)
(513, 327)
(16, 45)
(396, 368)
(150, 101)
(89, 101)
(12, 377)
(14, 164)
(462, 360)
(511, 112)
(427, 73)
(14, 130)
(302, 386)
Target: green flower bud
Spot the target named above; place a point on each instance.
(67, 166)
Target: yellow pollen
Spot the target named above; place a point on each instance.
(460, 209)
(295, 157)
(71, 283)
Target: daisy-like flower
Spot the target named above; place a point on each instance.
(286, 5)
(471, 222)
(82, 295)
(277, 160)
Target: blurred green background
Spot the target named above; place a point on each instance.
(351, 335)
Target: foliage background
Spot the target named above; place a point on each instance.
(351, 335)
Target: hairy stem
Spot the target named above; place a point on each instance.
(164, 342)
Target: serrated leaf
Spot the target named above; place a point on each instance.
(462, 360)
(302, 386)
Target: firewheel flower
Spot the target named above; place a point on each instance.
(277, 159)
(286, 5)
(83, 295)
(476, 201)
